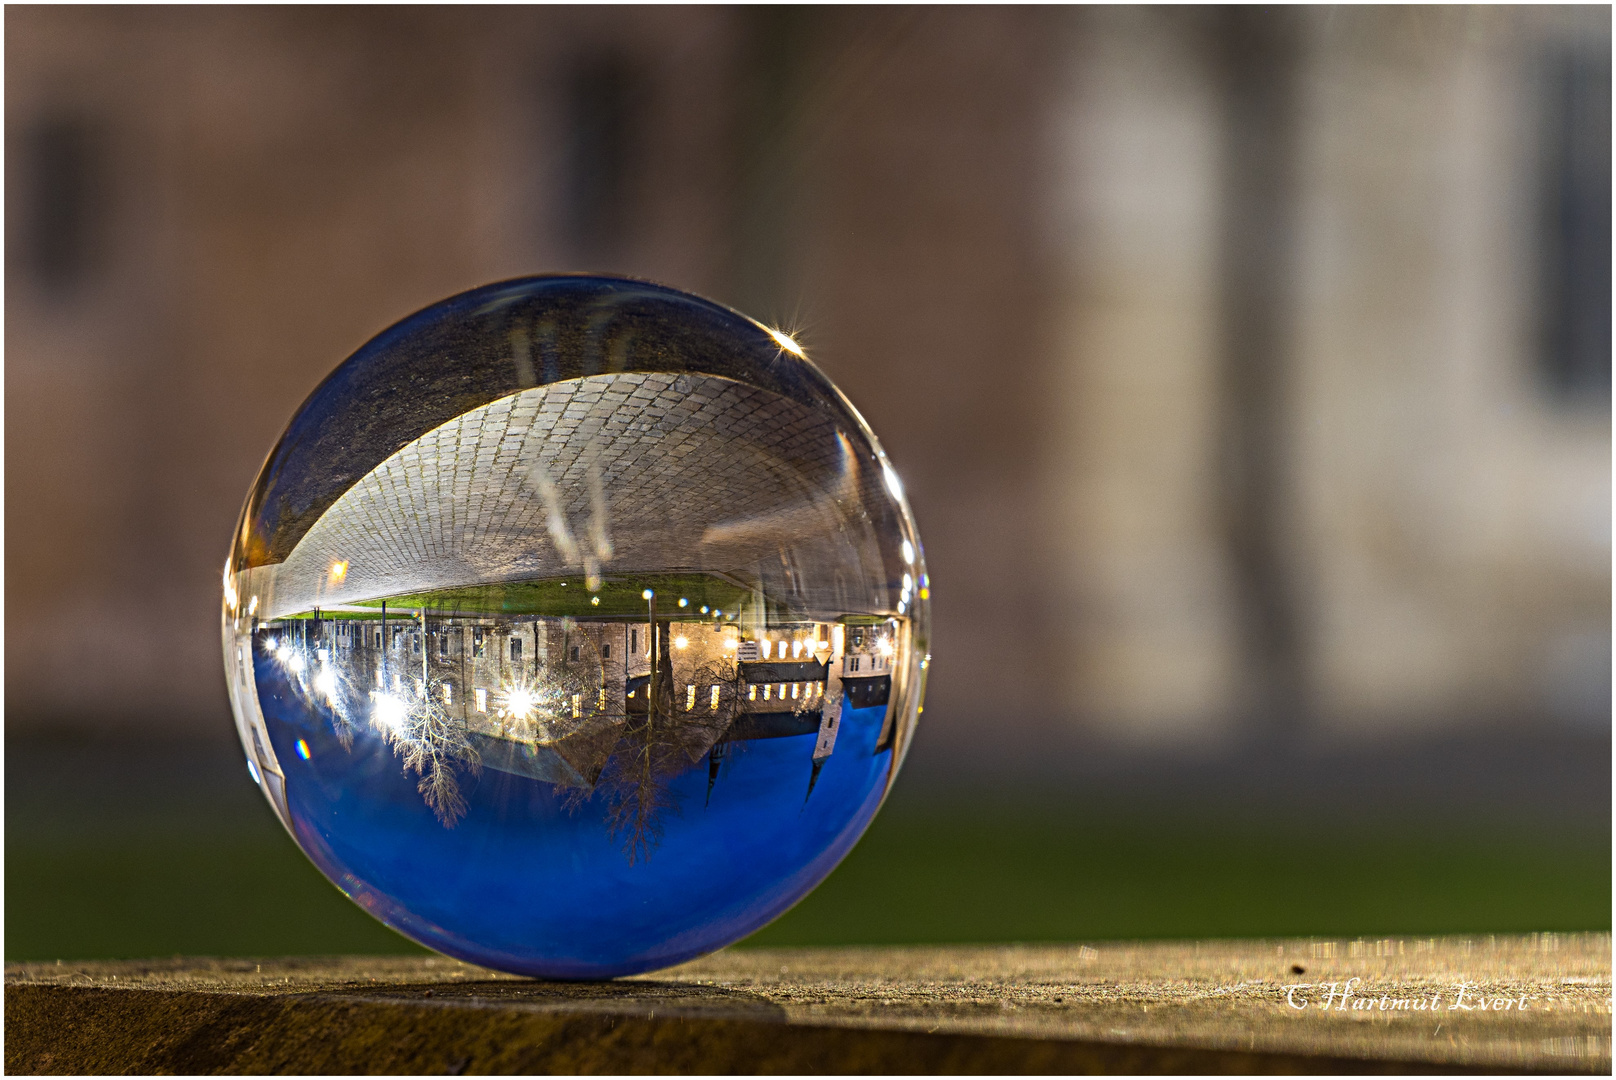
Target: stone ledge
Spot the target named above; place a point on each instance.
(1109, 1007)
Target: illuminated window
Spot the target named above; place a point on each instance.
(690, 697)
(448, 694)
(577, 706)
(481, 697)
(751, 693)
(715, 698)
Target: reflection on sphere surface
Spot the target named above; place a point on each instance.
(576, 626)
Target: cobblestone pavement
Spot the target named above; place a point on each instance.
(639, 472)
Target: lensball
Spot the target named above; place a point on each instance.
(576, 626)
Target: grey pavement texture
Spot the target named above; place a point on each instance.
(1211, 1006)
(640, 472)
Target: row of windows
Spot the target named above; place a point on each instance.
(479, 645)
(777, 691)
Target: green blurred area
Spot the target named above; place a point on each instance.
(81, 882)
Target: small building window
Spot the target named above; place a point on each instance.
(443, 643)
(1574, 261)
(516, 649)
(575, 652)
(481, 697)
(606, 651)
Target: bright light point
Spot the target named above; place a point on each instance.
(326, 682)
(252, 606)
(786, 342)
(908, 583)
(885, 648)
(519, 702)
(684, 602)
(295, 662)
(681, 643)
(901, 607)
(925, 594)
(894, 485)
(302, 749)
(339, 570)
(646, 595)
(704, 609)
(252, 771)
(390, 711)
(908, 550)
(594, 601)
(729, 643)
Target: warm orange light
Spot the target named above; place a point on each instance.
(339, 570)
(786, 342)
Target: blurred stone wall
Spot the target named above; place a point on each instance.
(1205, 348)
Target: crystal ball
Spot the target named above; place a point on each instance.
(576, 626)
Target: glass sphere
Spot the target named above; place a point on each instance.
(576, 626)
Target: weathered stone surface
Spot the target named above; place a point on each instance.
(1110, 1007)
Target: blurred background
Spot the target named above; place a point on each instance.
(1249, 371)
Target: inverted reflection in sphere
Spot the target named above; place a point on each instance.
(576, 626)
